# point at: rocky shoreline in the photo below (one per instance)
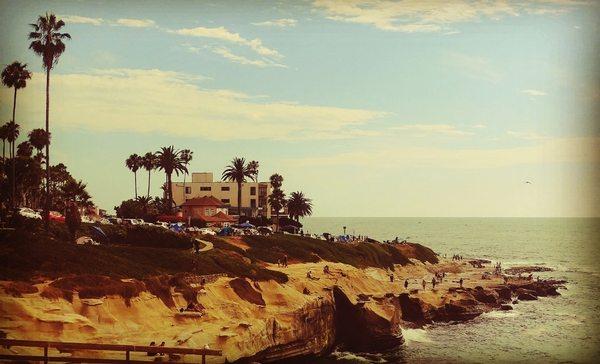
(359, 308)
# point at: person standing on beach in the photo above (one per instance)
(424, 284)
(406, 284)
(461, 283)
(285, 260)
(433, 282)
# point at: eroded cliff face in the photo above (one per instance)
(267, 321)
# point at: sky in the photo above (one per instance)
(370, 107)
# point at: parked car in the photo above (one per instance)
(115, 220)
(27, 212)
(86, 219)
(56, 216)
(131, 222)
(162, 224)
(206, 231)
(104, 221)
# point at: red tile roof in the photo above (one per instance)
(218, 217)
(203, 201)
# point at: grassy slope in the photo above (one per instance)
(145, 252)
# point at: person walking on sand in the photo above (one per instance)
(433, 282)
(424, 284)
(285, 260)
(406, 284)
(392, 277)
(461, 283)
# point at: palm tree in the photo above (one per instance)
(186, 157)
(39, 139)
(12, 133)
(277, 197)
(4, 136)
(299, 205)
(15, 75)
(134, 162)
(25, 149)
(47, 42)
(149, 163)
(145, 202)
(169, 160)
(237, 172)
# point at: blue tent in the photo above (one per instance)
(176, 227)
(97, 233)
(226, 231)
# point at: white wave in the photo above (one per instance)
(356, 357)
(415, 335)
(500, 314)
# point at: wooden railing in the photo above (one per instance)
(68, 346)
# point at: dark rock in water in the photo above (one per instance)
(526, 297)
(481, 295)
(504, 293)
(461, 310)
(479, 263)
(413, 309)
(362, 329)
(542, 288)
(527, 269)
(514, 302)
(506, 307)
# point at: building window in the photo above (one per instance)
(253, 191)
(225, 188)
(225, 200)
(205, 188)
(188, 190)
(253, 203)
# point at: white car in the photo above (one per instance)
(27, 212)
(86, 219)
(207, 231)
(162, 224)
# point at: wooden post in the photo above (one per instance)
(46, 354)
(203, 359)
(127, 355)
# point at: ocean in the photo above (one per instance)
(550, 330)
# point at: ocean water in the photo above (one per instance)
(550, 330)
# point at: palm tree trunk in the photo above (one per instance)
(277, 215)
(148, 184)
(14, 177)
(3, 149)
(170, 192)
(48, 198)
(239, 202)
(135, 182)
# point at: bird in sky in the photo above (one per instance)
(528, 182)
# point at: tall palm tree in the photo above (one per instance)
(149, 163)
(47, 42)
(299, 205)
(134, 162)
(237, 172)
(277, 197)
(39, 138)
(169, 160)
(186, 157)
(4, 136)
(15, 75)
(12, 133)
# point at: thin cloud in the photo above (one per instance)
(173, 103)
(136, 23)
(422, 130)
(534, 93)
(125, 22)
(281, 23)
(412, 16)
(226, 53)
(474, 66)
(77, 19)
(526, 135)
(223, 34)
